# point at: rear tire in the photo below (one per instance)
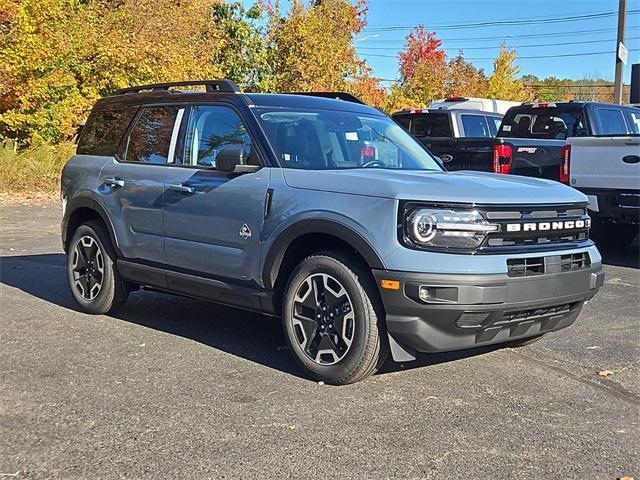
(332, 319)
(91, 270)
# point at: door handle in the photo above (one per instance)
(631, 159)
(114, 182)
(182, 188)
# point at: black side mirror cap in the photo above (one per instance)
(233, 160)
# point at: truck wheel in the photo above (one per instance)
(332, 320)
(94, 280)
(613, 235)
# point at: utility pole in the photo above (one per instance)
(620, 51)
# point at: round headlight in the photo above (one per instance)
(424, 226)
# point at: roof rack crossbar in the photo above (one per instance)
(347, 97)
(210, 85)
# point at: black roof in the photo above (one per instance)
(226, 91)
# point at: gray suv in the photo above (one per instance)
(323, 211)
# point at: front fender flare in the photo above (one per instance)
(276, 253)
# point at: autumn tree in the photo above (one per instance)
(58, 56)
(423, 69)
(463, 79)
(312, 46)
(242, 53)
(502, 83)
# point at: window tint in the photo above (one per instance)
(611, 121)
(431, 125)
(475, 126)
(103, 131)
(150, 137)
(551, 122)
(633, 120)
(210, 129)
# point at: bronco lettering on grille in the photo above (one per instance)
(541, 226)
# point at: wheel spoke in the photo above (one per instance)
(87, 267)
(323, 319)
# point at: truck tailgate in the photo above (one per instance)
(534, 157)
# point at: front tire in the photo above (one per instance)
(332, 319)
(93, 278)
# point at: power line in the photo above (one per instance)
(504, 37)
(519, 46)
(520, 57)
(493, 23)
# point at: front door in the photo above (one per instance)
(132, 187)
(213, 220)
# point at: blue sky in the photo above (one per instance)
(390, 20)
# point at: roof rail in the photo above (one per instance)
(211, 86)
(347, 97)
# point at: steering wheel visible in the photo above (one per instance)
(373, 163)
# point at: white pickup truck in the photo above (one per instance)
(607, 170)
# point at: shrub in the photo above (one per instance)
(34, 169)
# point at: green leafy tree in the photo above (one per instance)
(502, 83)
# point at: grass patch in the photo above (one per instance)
(35, 169)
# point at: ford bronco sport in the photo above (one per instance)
(322, 211)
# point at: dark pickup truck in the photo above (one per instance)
(530, 140)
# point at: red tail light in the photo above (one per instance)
(502, 158)
(565, 165)
(367, 153)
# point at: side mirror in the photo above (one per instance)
(233, 160)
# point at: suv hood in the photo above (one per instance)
(454, 187)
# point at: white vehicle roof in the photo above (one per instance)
(470, 103)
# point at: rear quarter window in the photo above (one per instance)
(103, 132)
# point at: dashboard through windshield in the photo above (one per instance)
(328, 139)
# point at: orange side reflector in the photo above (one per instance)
(390, 284)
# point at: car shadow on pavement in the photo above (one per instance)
(247, 335)
(628, 257)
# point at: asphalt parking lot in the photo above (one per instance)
(178, 388)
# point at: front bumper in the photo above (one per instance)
(465, 311)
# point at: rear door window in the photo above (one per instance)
(475, 125)
(150, 137)
(611, 121)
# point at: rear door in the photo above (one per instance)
(213, 220)
(132, 185)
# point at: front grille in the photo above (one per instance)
(536, 228)
(525, 267)
(574, 261)
(535, 313)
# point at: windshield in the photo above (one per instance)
(551, 123)
(327, 139)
